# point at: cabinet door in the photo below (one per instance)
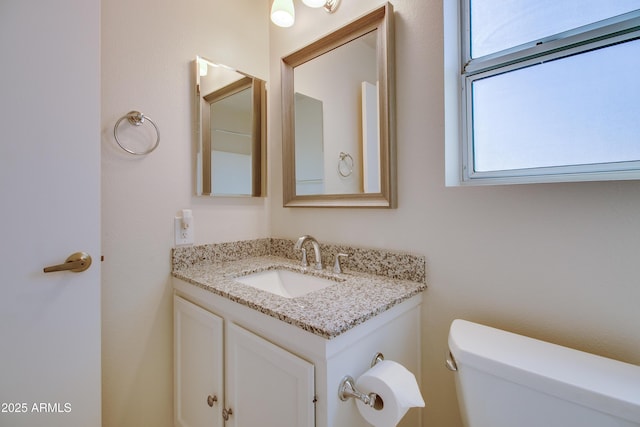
(198, 366)
(266, 385)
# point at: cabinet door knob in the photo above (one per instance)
(226, 413)
(211, 400)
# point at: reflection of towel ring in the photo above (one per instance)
(136, 118)
(345, 164)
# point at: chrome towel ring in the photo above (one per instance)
(345, 164)
(136, 118)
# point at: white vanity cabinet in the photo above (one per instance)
(266, 385)
(262, 385)
(198, 365)
(277, 374)
(228, 376)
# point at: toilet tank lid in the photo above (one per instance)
(605, 384)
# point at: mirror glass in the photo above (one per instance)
(230, 116)
(330, 143)
(337, 123)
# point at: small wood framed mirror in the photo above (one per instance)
(231, 132)
(338, 117)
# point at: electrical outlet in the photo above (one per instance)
(183, 236)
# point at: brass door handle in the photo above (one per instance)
(76, 262)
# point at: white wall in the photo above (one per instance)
(555, 261)
(147, 50)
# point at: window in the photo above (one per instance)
(550, 90)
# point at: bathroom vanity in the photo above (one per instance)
(245, 356)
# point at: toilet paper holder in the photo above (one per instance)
(347, 389)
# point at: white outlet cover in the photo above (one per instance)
(183, 236)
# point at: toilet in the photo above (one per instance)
(508, 380)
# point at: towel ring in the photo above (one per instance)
(345, 164)
(136, 118)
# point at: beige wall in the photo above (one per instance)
(147, 49)
(555, 261)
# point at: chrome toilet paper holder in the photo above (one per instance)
(347, 389)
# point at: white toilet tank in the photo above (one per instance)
(508, 380)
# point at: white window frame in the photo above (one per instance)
(612, 31)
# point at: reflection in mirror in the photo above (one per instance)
(309, 145)
(344, 115)
(338, 126)
(230, 116)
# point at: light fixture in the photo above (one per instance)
(283, 13)
(314, 3)
(330, 6)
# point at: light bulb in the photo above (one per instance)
(282, 13)
(314, 3)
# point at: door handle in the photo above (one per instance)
(76, 262)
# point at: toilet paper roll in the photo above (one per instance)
(396, 386)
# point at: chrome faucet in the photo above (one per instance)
(316, 250)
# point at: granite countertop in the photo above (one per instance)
(355, 298)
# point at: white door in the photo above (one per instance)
(266, 385)
(50, 195)
(199, 366)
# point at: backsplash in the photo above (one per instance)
(187, 256)
(393, 264)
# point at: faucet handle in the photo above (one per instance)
(337, 268)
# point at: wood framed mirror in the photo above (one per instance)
(231, 132)
(338, 117)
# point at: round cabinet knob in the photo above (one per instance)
(226, 413)
(211, 400)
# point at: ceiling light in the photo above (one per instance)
(314, 3)
(283, 13)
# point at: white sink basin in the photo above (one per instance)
(285, 283)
